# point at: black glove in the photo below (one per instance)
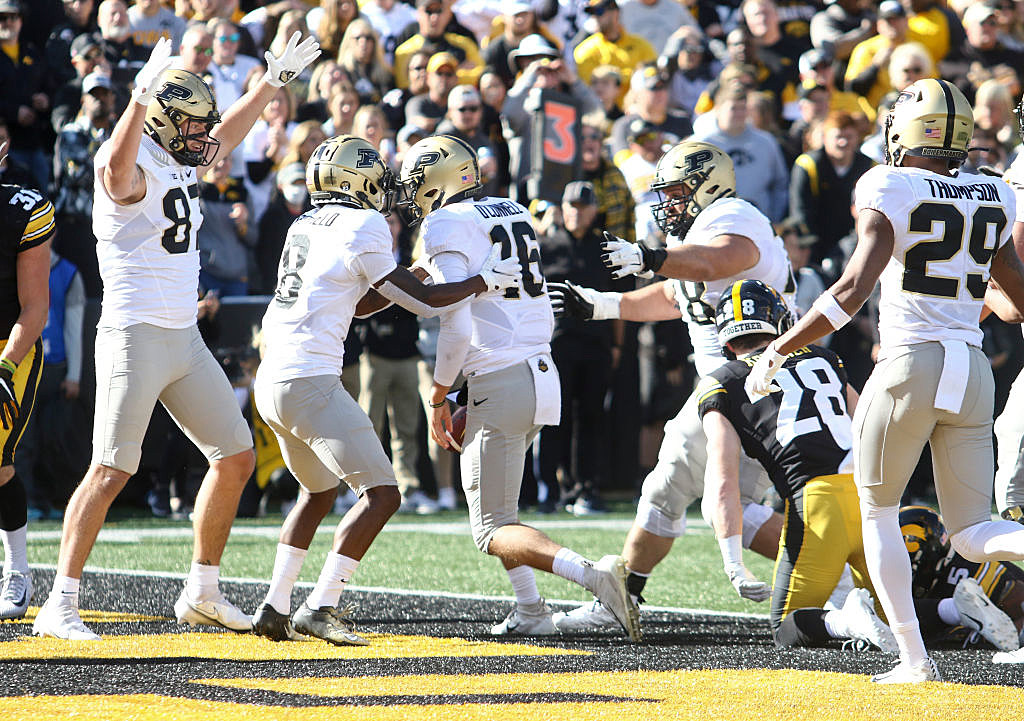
(567, 302)
(9, 409)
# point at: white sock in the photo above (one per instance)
(15, 550)
(336, 573)
(948, 612)
(990, 541)
(836, 625)
(203, 581)
(287, 565)
(65, 590)
(524, 584)
(569, 565)
(889, 567)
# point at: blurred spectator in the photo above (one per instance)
(522, 102)
(150, 21)
(11, 171)
(389, 18)
(775, 48)
(86, 56)
(228, 68)
(615, 204)
(985, 151)
(362, 59)
(329, 22)
(74, 178)
(611, 45)
(265, 146)
(994, 112)
(59, 387)
(934, 26)
(341, 110)
(982, 49)
(303, 141)
(909, 63)
(691, 67)
(519, 21)
(24, 99)
(576, 450)
(328, 76)
(655, 20)
(874, 145)
(196, 50)
(292, 21)
(799, 240)
(812, 109)
(432, 19)
(464, 120)
(408, 136)
(764, 116)
(823, 181)
(640, 159)
(125, 57)
(370, 124)
(395, 100)
(289, 200)
(427, 109)
(532, 47)
(492, 91)
(744, 59)
(816, 67)
(840, 27)
(260, 23)
(77, 20)
(649, 101)
(867, 73)
(761, 175)
(226, 236)
(606, 82)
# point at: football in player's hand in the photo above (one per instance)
(458, 432)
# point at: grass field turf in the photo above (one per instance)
(431, 656)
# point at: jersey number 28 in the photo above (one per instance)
(815, 376)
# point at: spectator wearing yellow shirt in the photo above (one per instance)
(868, 71)
(611, 45)
(432, 17)
(935, 27)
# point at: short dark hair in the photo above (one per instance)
(747, 343)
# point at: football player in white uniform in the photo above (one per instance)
(933, 238)
(501, 343)
(714, 239)
(331, 258)
(148, 347)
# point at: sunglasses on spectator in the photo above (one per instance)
(200, 50)
(598, 11)
(434, 10)
(469, 109)
(233, 38)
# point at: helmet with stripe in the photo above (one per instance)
(347, 169)
(927, 543)
(750, 307)
(437, 170)
(930, 119)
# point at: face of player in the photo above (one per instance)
(197, 132)
(677, 207)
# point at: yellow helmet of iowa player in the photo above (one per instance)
(180, 117)
(690, 177)
(348, 169)
(437, 170)
(927, 543)
(930, 119)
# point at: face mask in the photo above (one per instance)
(295, 194)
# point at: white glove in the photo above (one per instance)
(147, 80)
(623, 258)
(293, 60)
(501, 274)
(759, 380)
(746, 585)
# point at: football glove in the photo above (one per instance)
(147, 80)
(501, 274)
(623, 258)
(746, 585)
(759, 380)
(576, 301)
(294, 59)
(9, 409)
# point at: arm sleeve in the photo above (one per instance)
(74, 319)
(711, 396)
(457, 326)
(374, 265)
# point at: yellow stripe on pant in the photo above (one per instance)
(26, 381)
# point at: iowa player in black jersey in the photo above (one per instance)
(26, 227)
(801, 435)
(957, 600)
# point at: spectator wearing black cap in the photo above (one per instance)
(611, 45)
(86, 57)
(432, 19)
(649, 101)
(24, 95)
(73, 179)
(78, 19)
(585, 352)
(690, 65)
(817, 67)
(639, 161)
(812, 109)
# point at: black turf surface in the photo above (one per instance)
(671, 641)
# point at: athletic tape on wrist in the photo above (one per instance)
(828, 306)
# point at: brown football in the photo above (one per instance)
(458, 432)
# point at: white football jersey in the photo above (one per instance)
(947, 229)
(147, 251)
(509, 327)
(331, 257)
(698, 299)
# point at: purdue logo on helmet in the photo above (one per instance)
(750, 307)
(437, 170)
(181, 98)
(927, 543)
(930, 119)
(347, 169)
(690, 177)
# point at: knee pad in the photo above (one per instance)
(755, 515)
(656, 522)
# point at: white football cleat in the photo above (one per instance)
(531, 620)
(216, 611)
(862, 623)
(590, 617)
(1009, 656)
(606, 579)
(905, 673)
(15, 593)
(61, 620)
(978, 613)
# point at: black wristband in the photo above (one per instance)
(654, 258)
(437, 405)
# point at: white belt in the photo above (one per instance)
(956, 367)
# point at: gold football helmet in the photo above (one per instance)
(930, 119)
(702, 172)
(437, 170)
(348, 169)
(183, 96)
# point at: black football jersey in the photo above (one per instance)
(996, 578)
(26, 220)
(797, 434)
